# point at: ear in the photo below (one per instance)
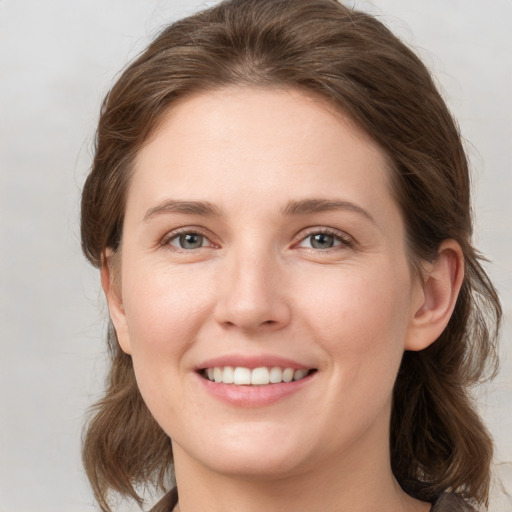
(111, 284)
(437, 294)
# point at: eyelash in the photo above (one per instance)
(190, 230)
(344, 240)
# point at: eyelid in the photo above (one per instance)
(171, 235)
(345, 239)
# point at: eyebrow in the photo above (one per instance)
(307, 206)
(203, 208)
(293, 207)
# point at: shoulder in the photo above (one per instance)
(449, 502)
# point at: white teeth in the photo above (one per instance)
(260, 376)
(256, 377)
(242, 376)
(299, 374)
(276, 375)
(228, 375)
(217, 374)
(288, 375)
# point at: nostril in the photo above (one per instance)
(251, 313)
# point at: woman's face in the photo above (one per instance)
(262, 241)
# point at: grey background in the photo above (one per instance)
(57, 60)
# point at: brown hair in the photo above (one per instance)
(438, 442)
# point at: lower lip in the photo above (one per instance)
(254, 396)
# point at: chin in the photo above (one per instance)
(260, 452)
(257, 466)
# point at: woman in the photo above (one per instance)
(279, 206)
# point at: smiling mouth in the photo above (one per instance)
(262, 376)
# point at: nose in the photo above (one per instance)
(252, 294)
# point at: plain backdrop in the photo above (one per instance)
(57, 60)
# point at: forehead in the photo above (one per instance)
(242, 145)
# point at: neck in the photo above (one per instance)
(358, 480)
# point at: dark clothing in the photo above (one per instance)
(445, 503)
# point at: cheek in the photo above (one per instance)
(361, 302)
(164, 311)
(363, 319)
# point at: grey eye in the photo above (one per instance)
(189, 241)
(322, 241)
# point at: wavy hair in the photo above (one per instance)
(438, 442)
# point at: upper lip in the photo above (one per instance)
(251, 362)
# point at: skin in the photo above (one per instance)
(257, 287)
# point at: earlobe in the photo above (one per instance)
(440, 288)
(111, 284)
